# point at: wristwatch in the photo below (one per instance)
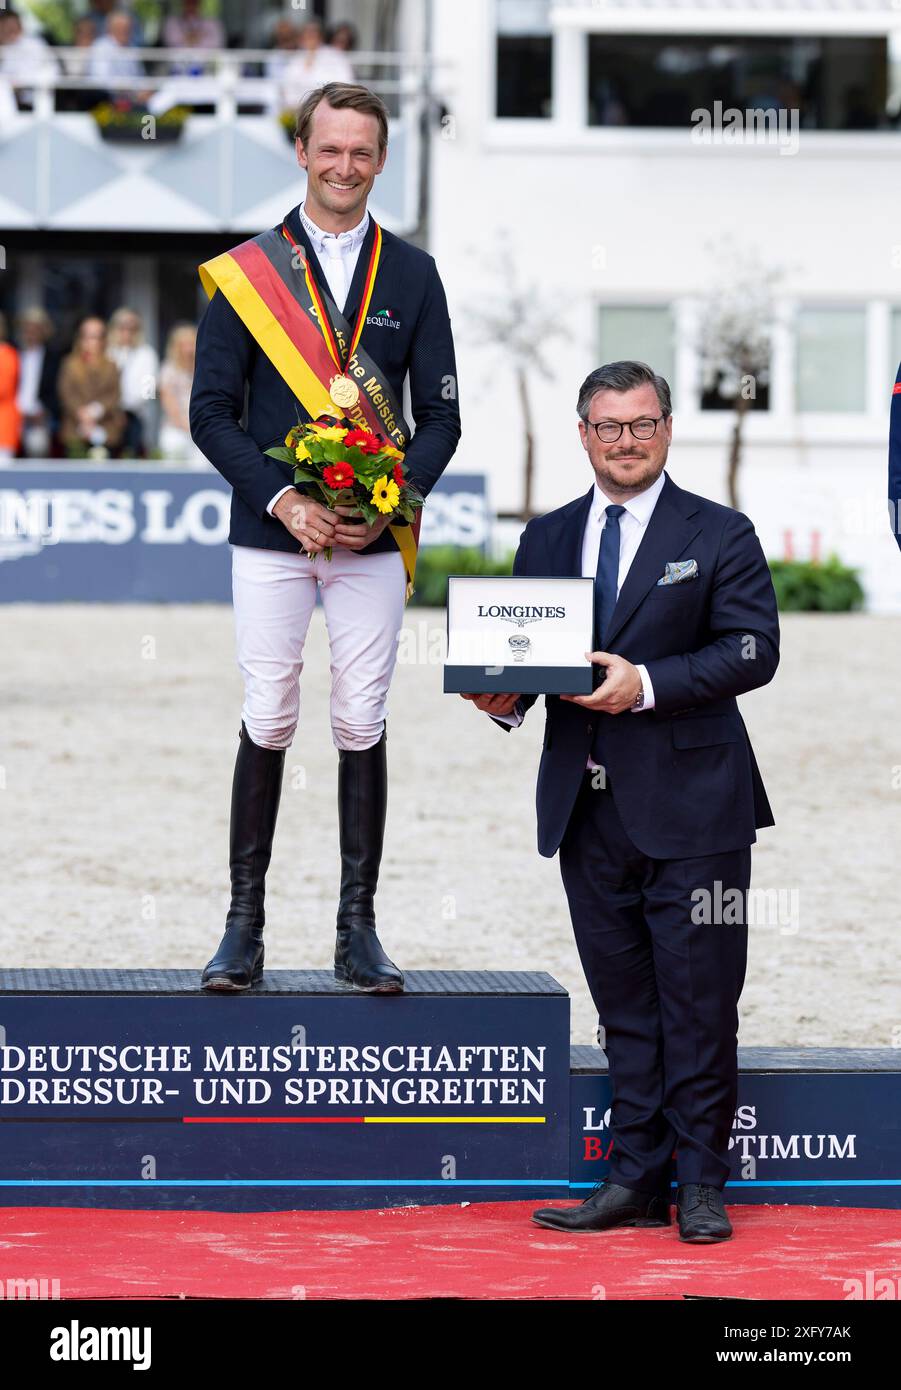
(638, 702)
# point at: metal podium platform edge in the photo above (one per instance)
(585, 1060)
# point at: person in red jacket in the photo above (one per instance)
(10, 415)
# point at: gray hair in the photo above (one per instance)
(623, 376)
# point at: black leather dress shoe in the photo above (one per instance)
(608, 1205)
(702, 1214)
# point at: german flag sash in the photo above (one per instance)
(269, 283)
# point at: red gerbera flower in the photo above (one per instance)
(365, 442)
(338, 475)
(398, 475)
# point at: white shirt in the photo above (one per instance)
(338, 254)
(138, 371)
(31, 362)
(108, 61)
(308, 69)
(632, 526)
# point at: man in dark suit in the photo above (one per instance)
(369, 282)
(650, 790)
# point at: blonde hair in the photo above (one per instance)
(124, 312)
(177, 331)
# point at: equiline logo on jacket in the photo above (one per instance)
(383, 318)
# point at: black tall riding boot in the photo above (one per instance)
(256, 788)
(362, 803)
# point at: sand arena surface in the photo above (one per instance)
(119, 732)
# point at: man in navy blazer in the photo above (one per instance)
(240, 406)
(650, 790)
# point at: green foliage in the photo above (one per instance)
(435, 563)
(806, 586)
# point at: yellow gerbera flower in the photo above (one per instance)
(385, 494)
(330, 431)
(392, 453)
(301, 452)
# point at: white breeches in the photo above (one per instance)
(274, 596)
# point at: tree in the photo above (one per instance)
(734, 342)
(516, 324)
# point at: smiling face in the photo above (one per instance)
(341, 158)
(627, 466)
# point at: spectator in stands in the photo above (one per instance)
(10, 415)
(138, 365)
(176, 378)
(312, 66)
(284, 43)
(92, 418)
(39, 365)
(24, 57)
(99, 12)
(79, 65)
(192, 30)
(342, 36)
(108, 62)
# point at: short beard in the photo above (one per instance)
(640, 483)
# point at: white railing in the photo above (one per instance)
(222, 81)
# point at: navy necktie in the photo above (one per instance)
(607, 574)
(605, 581)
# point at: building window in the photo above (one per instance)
(523, 58)
(832, 360)
(638, 333)
(659, 80)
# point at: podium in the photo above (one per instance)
(136, 1089)
(813, 1126)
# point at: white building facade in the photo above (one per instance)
(572, 148)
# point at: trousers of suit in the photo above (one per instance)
(274, 593)
(666, 984)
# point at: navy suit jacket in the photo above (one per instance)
(683, 775)
(230, 369)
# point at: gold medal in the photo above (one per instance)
(343, 391)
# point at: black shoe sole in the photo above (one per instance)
(221, 984)
(390, 986)
(705, 1240)
(642, 1221)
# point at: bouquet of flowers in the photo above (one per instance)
(341, 465)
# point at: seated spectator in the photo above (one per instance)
(343, 37)
(24, 58)
(192, 30)
(107, 62)
(39, 365)
(78, 65)
(92, 419)
(284, 43)
(176, 378)
(138, 365)
(99, 11)
(10, 415)
(314, 64)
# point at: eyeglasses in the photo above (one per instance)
(609, 431)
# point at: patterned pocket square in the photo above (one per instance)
(678, 571)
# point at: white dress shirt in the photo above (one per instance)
(632, 526)
(338, 253)
(31, 363)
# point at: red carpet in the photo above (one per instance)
(482, 1251)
